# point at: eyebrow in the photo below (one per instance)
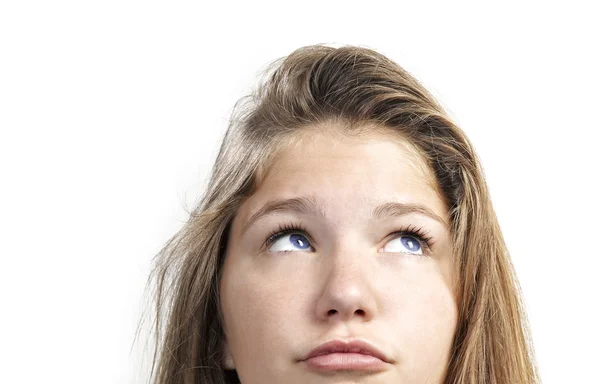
(309, 205)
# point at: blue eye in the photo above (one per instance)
(287, 242)
(292, 237)
(407, 244)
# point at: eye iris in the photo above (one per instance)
(299, 241)
(410, 243)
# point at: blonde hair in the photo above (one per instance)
(357, 88)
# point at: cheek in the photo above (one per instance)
(255, 301)
(260, 313)
(425, 313)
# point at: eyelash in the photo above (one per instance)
(417, 232)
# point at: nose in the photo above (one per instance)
(347, 293)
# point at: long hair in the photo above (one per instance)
(355, 87)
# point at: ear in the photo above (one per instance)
(227, 361)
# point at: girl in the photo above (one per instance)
(346, 236)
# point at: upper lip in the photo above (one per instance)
(352, 346)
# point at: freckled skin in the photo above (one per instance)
(354, 281)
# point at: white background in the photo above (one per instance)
(111, 114)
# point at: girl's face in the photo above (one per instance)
(365, 254)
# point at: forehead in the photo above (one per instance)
(348, 173)
(329, 149)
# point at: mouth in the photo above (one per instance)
(355, 355)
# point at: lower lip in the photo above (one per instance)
(346, 361)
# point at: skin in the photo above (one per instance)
(356, 280)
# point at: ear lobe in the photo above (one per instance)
(227, 361)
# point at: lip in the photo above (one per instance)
(347, 355)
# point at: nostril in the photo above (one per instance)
(332, 312)
(360, 312)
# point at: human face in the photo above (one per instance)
(345, 275)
